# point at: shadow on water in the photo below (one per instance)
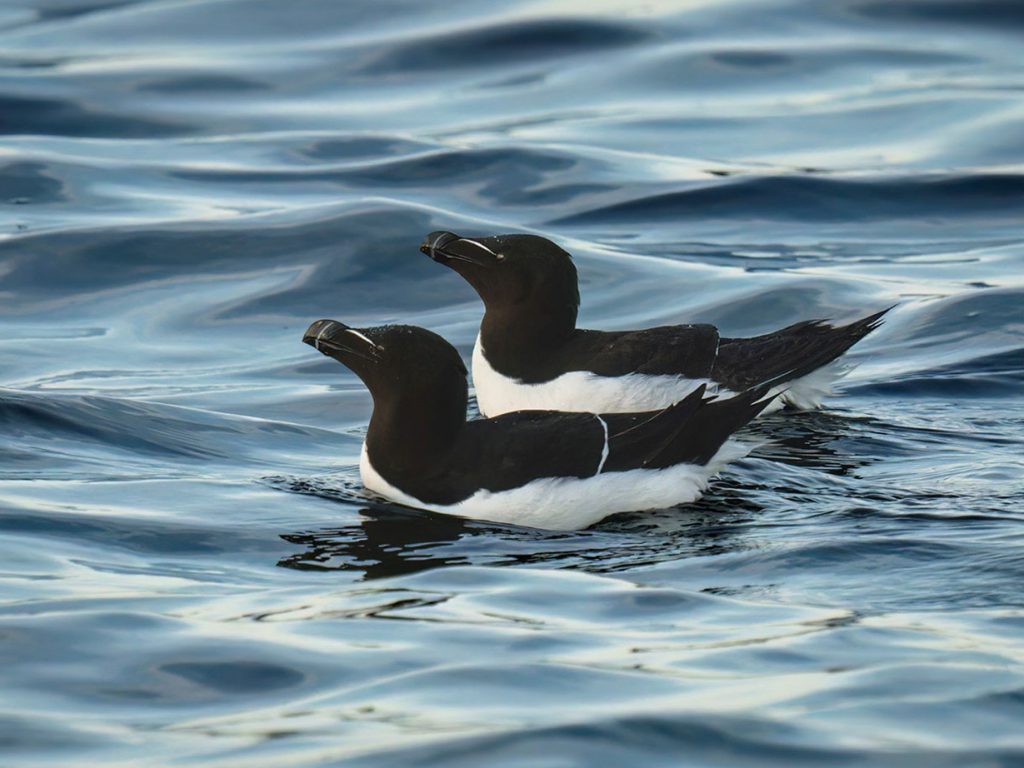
(383, 543)
(831, 442)
(387, 540)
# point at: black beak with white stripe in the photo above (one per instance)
(522, 279)
(349, 346)
(449, 248)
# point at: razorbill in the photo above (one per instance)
(530, 354)
(544, 469)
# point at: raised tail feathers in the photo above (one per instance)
(790, 353)
(690, 432)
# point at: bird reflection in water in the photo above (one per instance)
(831, 442)
(383, 542)
(392, 541)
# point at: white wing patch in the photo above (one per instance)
(569, 503)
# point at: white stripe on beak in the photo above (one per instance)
(478, 245)
(357, 334)
(316, 341)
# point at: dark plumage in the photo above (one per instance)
(528, 336)
(789, 353)
(420, 443)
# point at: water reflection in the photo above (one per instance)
(831, 442)
(383, 542)
(386, 541)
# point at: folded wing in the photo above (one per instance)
(789, 353)
(689, 432)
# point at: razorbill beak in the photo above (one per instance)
(447, 247)
(344, 344)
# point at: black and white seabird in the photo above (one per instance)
(544, 469)
(530, 354)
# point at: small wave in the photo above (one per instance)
(526, 42)
(361, 147)
(65, 117)
(200, 84)
(988, 13)
(510, 165)
(641, 740)
(141, 429)
(996, 375)
(28, 182)
(803, 198)
(512, 176)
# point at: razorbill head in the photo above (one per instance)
(516, 276)
(530, 354)
(544, 469)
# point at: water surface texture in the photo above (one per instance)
(189, 572)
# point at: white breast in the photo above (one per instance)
(578, 391)
(570, 503)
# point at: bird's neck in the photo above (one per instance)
(414, 433)
(514, 340)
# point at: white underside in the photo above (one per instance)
(635, 392)
(562, 503)
(808, 392)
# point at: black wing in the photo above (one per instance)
(690, 432)
(511, 450)
(681, 350)
(789, 353)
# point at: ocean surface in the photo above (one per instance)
(190, 573)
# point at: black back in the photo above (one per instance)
(678, 350)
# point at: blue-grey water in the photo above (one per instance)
(189, 572)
